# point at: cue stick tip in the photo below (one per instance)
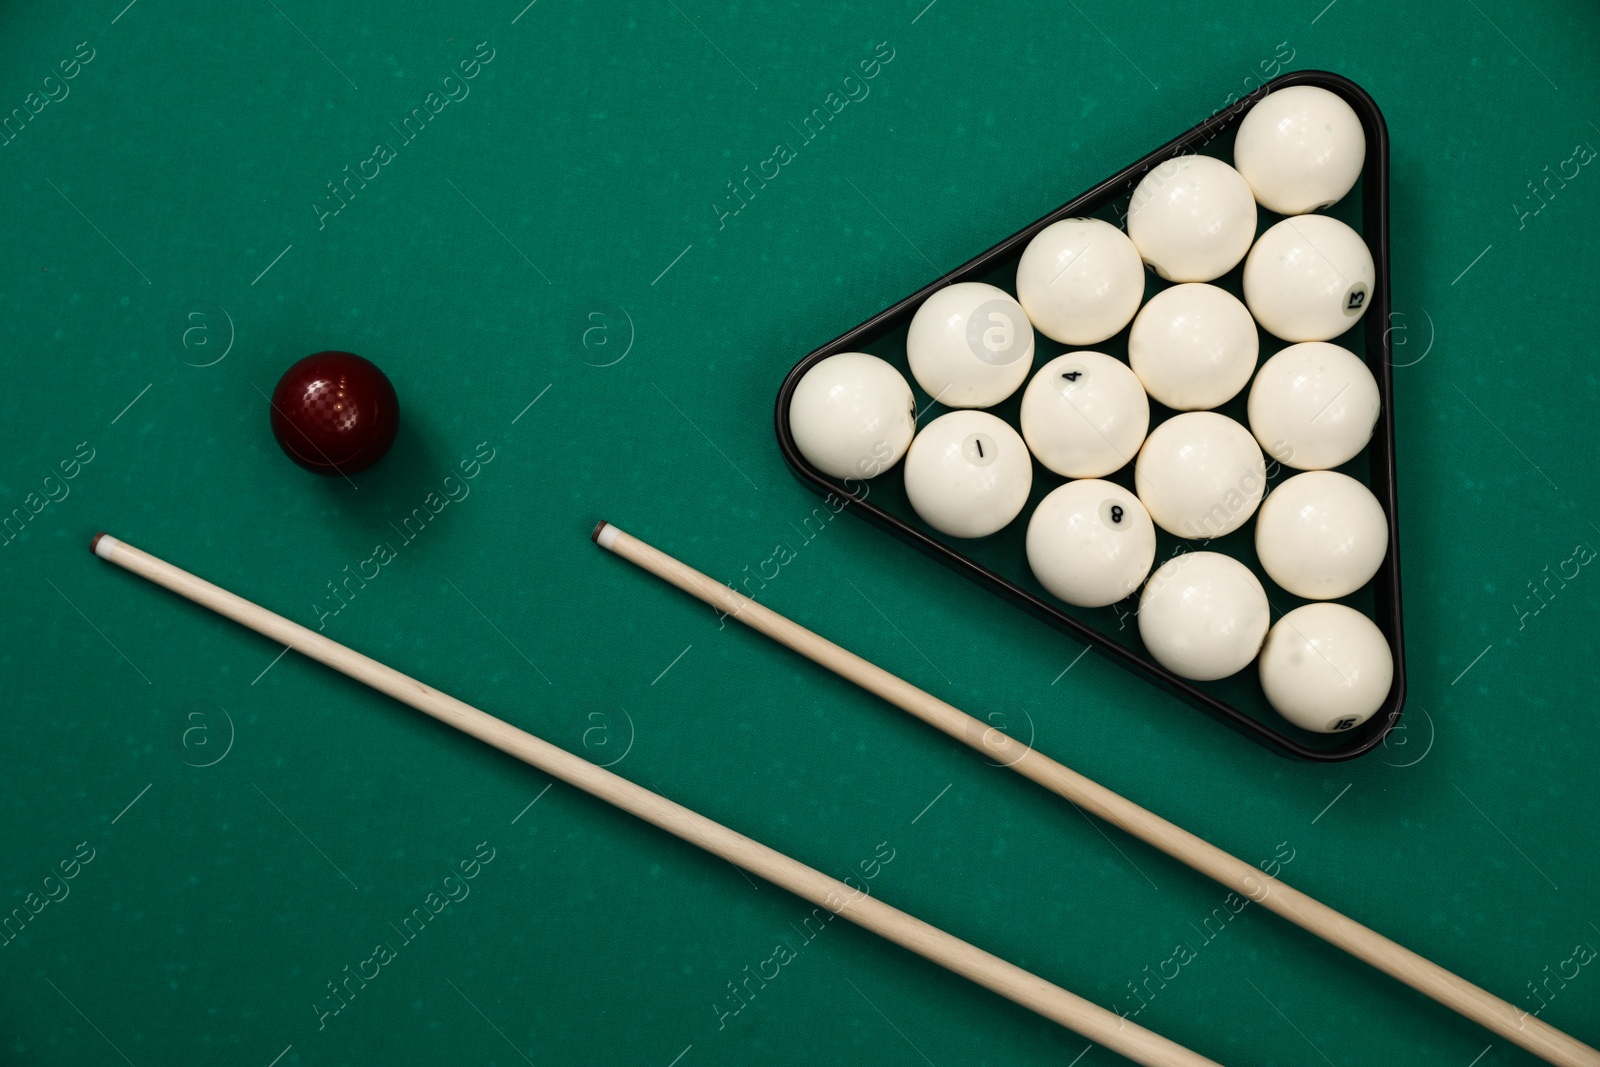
(102, 544)
(605, 534)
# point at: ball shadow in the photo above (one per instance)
(386, 494)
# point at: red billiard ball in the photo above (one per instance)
(335, 413)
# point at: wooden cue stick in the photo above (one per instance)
(1071, 1011)
(1426, 977)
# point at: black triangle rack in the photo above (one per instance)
(999, 564)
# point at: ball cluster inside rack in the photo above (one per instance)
(1193, 347)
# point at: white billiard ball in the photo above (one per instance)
(968, 474)
(1091, 543)
(1309, 278)
(852, 415)
(1321, 535)
(1192, 218)
(1193, 346)
(1326, 668)
(1300, 148)
(1085, 414)
(970, 345)
(1080, 281)
(1203, 615)
(1200, 475)
(1313, 406)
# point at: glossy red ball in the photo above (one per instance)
(335, 413)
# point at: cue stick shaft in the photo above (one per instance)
(1071, 1011)
(1451, 990)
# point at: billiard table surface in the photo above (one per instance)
(536, 219)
